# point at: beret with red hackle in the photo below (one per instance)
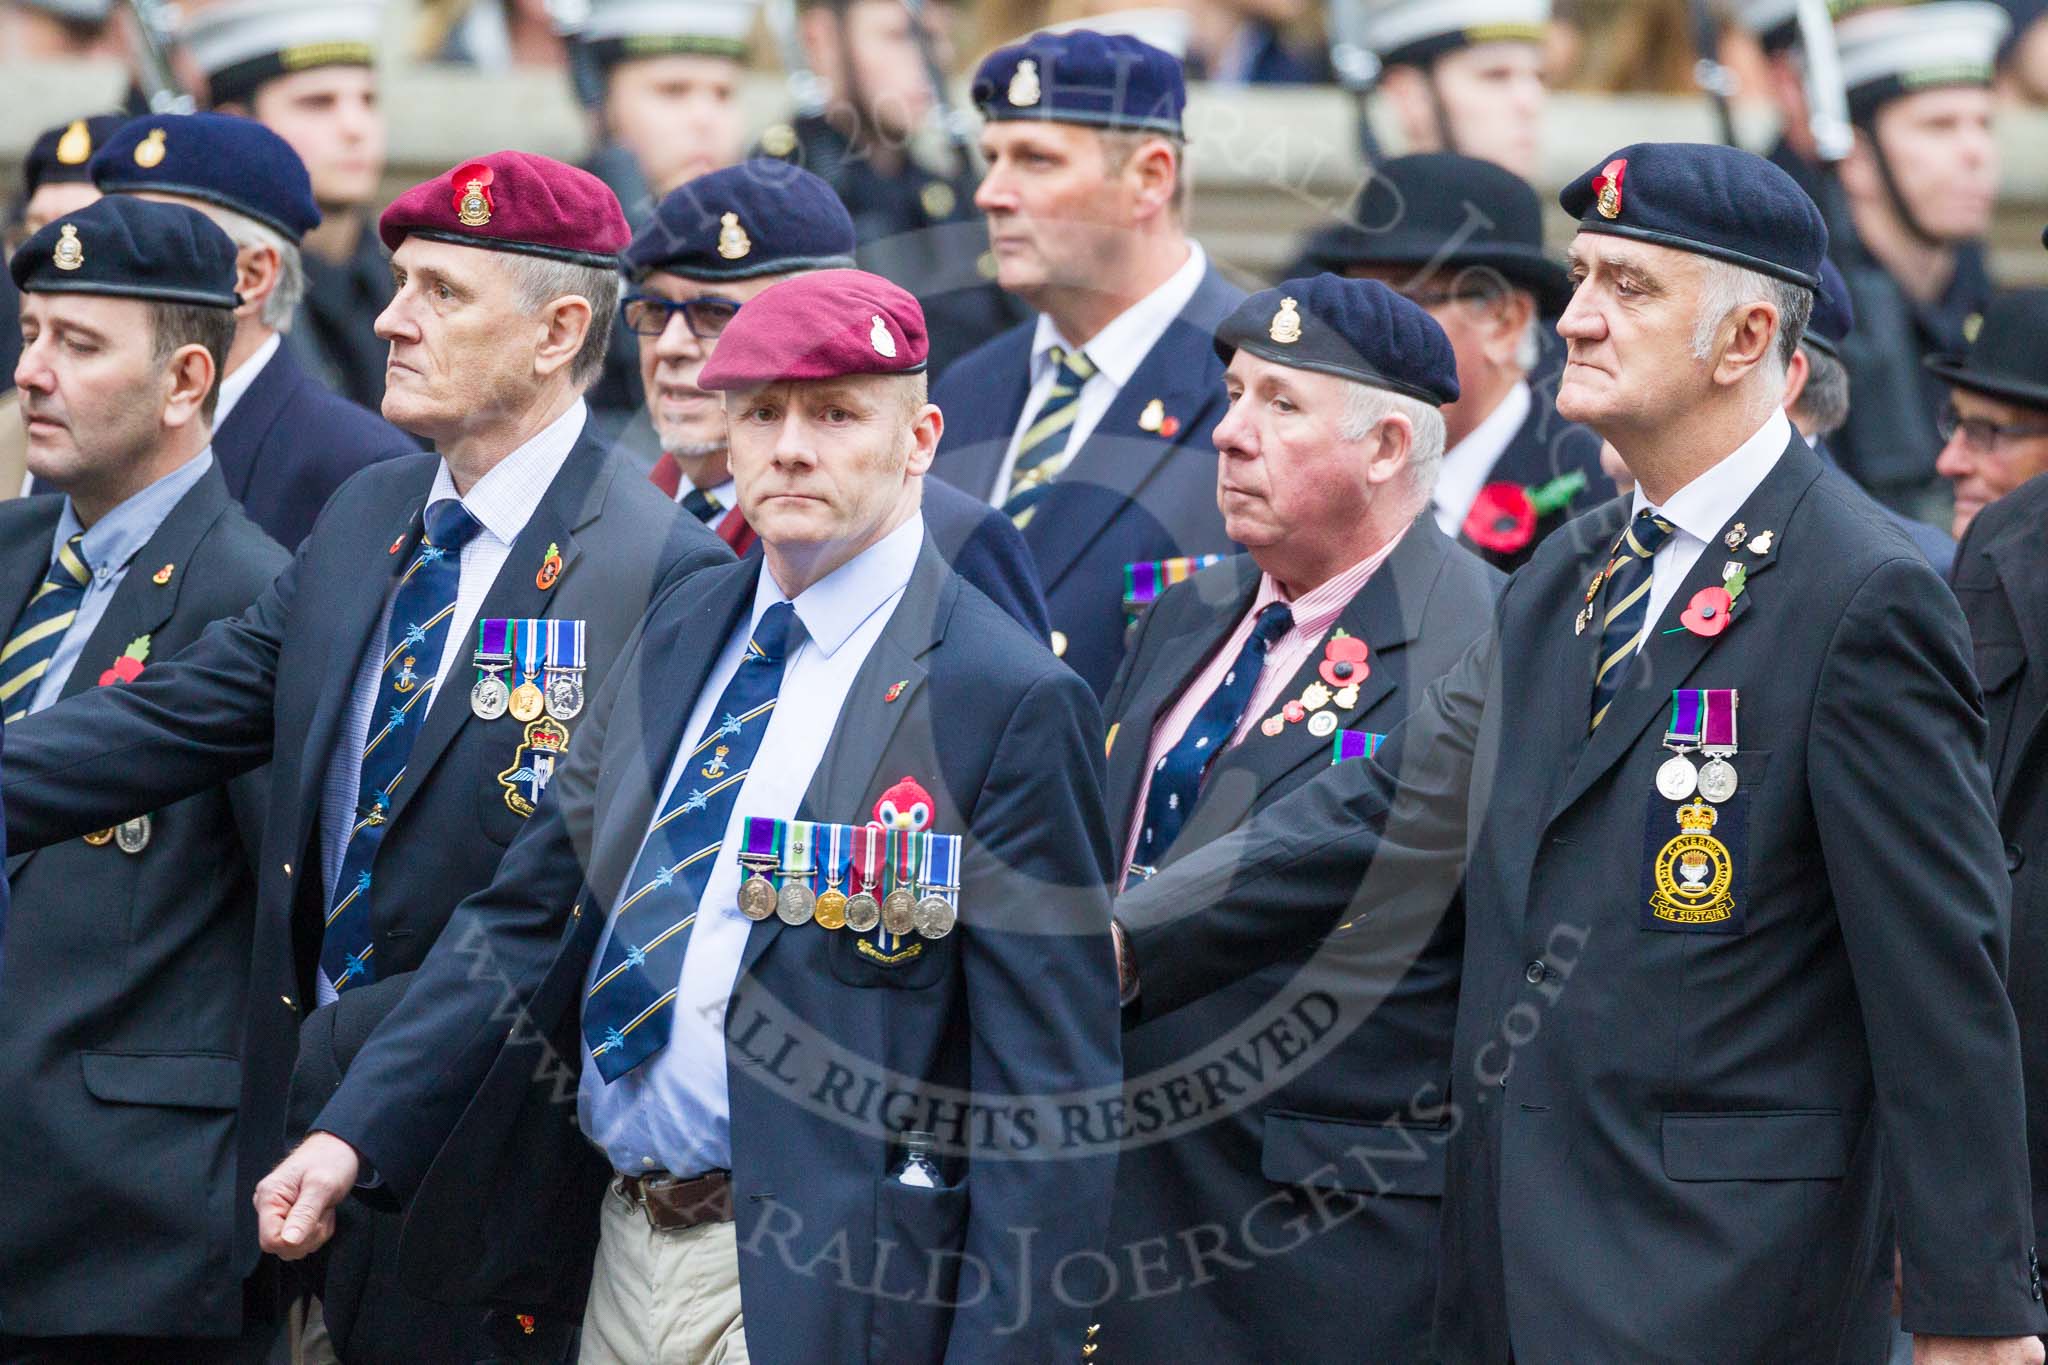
(514, 201)
(828, 324)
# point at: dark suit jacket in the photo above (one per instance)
(1546, 447)
(123, 989)
(1200, 1164)
(290, 442)
(271, 686)
(1128, 495)
(1019, 1002)
(1663, 1141)
(2001, 578)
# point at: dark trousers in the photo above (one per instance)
(253, 1347)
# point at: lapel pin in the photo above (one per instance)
(550, 568)
(128, 667)
(1153, 417)
(1735, 535)
(1762, 544)
(163, 575)
(895, 690)
(396, 545)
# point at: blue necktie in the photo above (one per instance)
(40, 629)
(1625, 610)
(629, 1012)
(702, 505)
(420, 613)
(1177, 780)
(1042, 453)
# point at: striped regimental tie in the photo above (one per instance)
(40, 629)
(1625, 607)
(1043, 452)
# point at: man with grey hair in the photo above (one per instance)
(1735, 901)
(1240, 683)
(414, 679)
(284, 442)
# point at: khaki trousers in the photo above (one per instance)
(663, 1298)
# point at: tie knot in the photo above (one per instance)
(450, 525)
(1646, 533)
(1275, 620)
(776, 634)
(1074, 365)
(70, 567)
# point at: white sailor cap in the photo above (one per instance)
(240, 44)
(72, 11)
(1897, 51)
(622, 29)
(1420, 31)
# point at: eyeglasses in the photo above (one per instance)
(705, 316)
(1980, 434)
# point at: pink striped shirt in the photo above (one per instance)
(1315, 612)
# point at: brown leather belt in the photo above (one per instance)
(672, 1205)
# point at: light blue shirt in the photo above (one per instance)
(113, 541)
(672, 1112)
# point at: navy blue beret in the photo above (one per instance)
(236, 163)
(761, 217)
(1708, 199)
(1356, 329)
(1834, 316)
(135, 248)
(1100, 80)
(61, 155)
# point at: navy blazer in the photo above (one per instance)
(1128, 495)
(1287, 1147)
(290, 442)
(1016, 1007)
(123, 989)
(1543, 448)
(271, 686)
(1715, 1109)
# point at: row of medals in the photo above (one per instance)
(901, 912)
(492, 697)
(1715, 779)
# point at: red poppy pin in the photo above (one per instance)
(1343, 662)
(895, 691)
(163, 575)
(396, 545)
(1709, 612)
(128, 667)
(550, 568)
(1504, 515)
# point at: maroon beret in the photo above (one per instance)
(514, 201)
(823, 325)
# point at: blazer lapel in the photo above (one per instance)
(25, 561)
(571, 503)
(848, 772)
(978, 437)
(1671, 653)
(2018, 563)
(237, 440)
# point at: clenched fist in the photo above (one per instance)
(295, 1203)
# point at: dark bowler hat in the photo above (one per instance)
(761, 217)
(62, 154)
(236, 163)
(514, 201)
(2009, 358)
(1448, 211)
(829, 324)
(132, 248)
(1834, 315)
(1355, 329)
(1100, 80)
(1708, 199)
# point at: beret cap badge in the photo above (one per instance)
(473, 204)
(1286, 328)
(150, 151)
(733, 242)
(879, 338)
(75, 147)
(1609, 188)
(68, 254)
(1024, 87)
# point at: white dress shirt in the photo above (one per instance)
(1698, 511)
(1116, 352)
(672, 1112)
(503, 501)
(233, 386)
(1468, 463)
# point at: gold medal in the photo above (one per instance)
(899, 912)
(527, 702)
(830, 911)
(100, 838)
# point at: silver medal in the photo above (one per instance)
(1677, 779)
(757, 897)
(565, 695)
(797, 903)
(863, 912)
(1717, 780)
(490, 697)
(935, 917)
(132, 836)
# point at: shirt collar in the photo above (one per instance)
(1118, 349)
(838, 604)
(503, 500)
(1316, 610)
(118, 536)
(1491, 436)
(233, 386)
(1703, 507)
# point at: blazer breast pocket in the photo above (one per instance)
(884, 961)
(515, 761)
(1696, 855)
